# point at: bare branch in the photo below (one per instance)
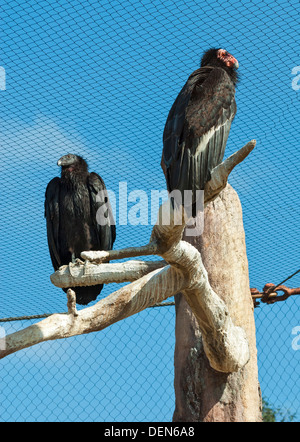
(129, 252)
(71, 304)
(153, 288)
(80, 274)
(189, 276)
(220, 174)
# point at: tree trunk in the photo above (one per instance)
(202, 393)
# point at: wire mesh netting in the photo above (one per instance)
(98, 79)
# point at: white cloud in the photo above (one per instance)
(42, 143)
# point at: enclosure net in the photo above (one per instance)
(98, 79)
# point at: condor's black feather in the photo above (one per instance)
(198, 125)
(70, 210)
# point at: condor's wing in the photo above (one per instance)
(101, 212)
(197, 129)
(52, 218)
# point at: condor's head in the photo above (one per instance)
(72, 165)
(223, 59)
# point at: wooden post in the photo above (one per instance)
(202, 393)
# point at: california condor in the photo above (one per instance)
(198, 124)
(71, 205)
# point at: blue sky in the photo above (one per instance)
(98, 79)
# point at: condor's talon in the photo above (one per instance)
(71, 265)
(85, 265)
(74, 263)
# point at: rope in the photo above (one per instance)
(22, 318)
(162, 304)
(46, 315)
(289, 277)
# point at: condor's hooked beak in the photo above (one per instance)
(235, 63)
(227, 58)
(66, 160)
